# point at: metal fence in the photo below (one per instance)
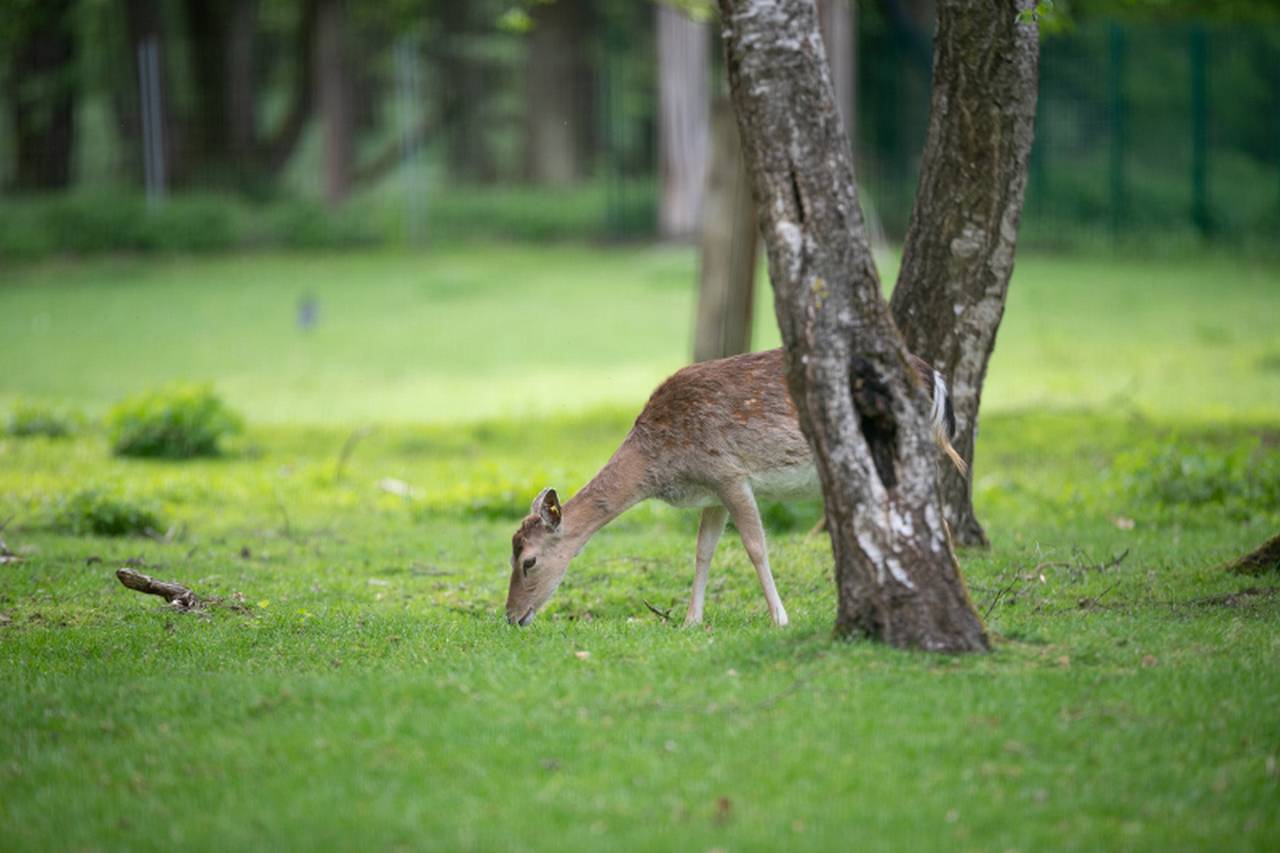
(1142, 129)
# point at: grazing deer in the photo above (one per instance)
(716, 435)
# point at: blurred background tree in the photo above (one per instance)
(332, 122)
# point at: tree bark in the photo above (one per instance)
(958, 256)
(684, 108)
(41, 92)
(730, 240)
(859, 406)
(333, 94)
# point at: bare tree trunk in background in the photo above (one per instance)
(462, 91)
(333, 94)
(730, 239)
(684, 108)
(241, 88)
(959, 248)
(557, 93)
(41, 93)
(861, 409)
(207, 27)
(145, 22)
(275, 152)
(838, 19)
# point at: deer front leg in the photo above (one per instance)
(741, 503)
(709, 530)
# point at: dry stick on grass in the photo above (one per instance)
(174, 593)
(664, 615)
(349, 447)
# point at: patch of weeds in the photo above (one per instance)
(174, 422)
(1236, 481)
(100, 513)
(779, 517)
(33, 419)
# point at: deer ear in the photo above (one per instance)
(547, 506)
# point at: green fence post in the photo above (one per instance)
(1117, 45)
(1197, 49)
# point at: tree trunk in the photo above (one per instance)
(684, 107)
(557, 97)
(241, 85)
(210, 123)
(333, 94)
(730, 239)
(463, 96)
(41, 92)
(959, 249)
(838, 19)
(145, 21)
(861, 409)
(275, 152)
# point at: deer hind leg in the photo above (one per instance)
(709, 530)
(741, 503)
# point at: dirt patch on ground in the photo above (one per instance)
(1242, 598)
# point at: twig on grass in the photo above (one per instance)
(1115, 561)
(348, 448)
(1092, 601)
(284, 511)
(664, 615)
(999, 595)
(175, 593)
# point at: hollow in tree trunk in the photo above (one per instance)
(959, 250)
(864, 415)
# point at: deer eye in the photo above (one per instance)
(528, 564)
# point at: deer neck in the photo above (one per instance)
(619, 485)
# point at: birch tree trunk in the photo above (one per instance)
(959, 250)
(684, 107)
(861, 410)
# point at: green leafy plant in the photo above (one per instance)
(34, 419)
(1235, 481)
(175, 422)
(101, 513)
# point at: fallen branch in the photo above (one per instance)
(664, 615)
(174, 593)
(1115, 561)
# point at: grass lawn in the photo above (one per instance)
(357, 686)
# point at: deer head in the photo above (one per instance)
(539, 557)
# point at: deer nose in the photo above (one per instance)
(520, 621)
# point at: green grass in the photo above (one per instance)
(506, 331)
(357, 686)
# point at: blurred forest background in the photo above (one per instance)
(209, 124)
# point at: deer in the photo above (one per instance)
(717, 435)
